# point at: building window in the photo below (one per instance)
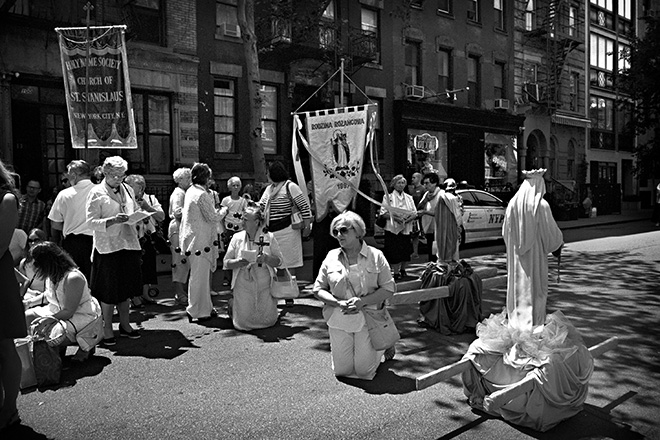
(226, 19)
(570, 160)
(625, 9)
(327, 31)
(601, 112)
(499, 82)
(601, 59)
(444, 71)
(624, 54)
(473, 11)
(269, 113)
(473, 81)
(153, 122)
(624, 130)
(369, 26)
(601, 13)
(574, 91)
(572, 21)
(224, 105)
(413, 64)
(147, 22)
(499, 14)
(530, 16)
(445, 6)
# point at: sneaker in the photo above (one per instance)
(108, 342)
(389, 353)
(133, 334)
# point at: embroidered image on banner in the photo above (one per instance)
(338, 140)
(97, 87)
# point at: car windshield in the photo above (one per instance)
(485, 199)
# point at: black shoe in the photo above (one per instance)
(389, 353)
(108, 342)
(403, 273)
(288, 303)
(133, 334)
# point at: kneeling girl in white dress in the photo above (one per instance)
(252, 256)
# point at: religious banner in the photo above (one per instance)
(337, 139)
(97, 87)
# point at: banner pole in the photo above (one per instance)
(88, 7)
(341, 85)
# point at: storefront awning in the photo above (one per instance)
(574, 121)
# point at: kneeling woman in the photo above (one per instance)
(66, 298)
(252, 269)
(352, 277)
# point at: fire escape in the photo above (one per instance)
(282, 41)
(558, 29)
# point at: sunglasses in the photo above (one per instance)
(343, 230)
(64, 180)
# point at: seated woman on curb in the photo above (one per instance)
(253, 268)
(66, 299)
(352, 277)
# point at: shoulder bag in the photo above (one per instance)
(282, 288)
(382, 331)
(296, 216)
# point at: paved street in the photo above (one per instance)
(209, 381)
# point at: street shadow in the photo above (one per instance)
(278, 332)
(386, 381)
(153, 344)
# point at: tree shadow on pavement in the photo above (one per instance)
(153, 344)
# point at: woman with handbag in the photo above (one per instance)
(353, 279)
(145, 228)
(252, 256)
(67, 297)
(287, 213)
(398, 228)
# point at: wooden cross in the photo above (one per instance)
(261, 243)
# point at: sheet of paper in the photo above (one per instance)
(138, 216)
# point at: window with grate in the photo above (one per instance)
(369, 24)
(224, 108)
(530, 16)
(574, 91)
(601, 59)
(153, 122)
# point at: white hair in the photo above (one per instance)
(114, 162)
(181, 174)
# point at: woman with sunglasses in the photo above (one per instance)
(352, 277)
(116, 261)
(253, 267)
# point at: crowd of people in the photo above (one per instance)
(90, 253)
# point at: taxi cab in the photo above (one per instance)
(483, 215)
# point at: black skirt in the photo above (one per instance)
(398, 247)
(116, 276)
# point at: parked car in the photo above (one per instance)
(483, 216)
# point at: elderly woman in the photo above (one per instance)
(148, 203)
(180, 266)
(278, 201)
(352, 277)
(198, 238)
(116, 261)
(67, 298)
(398, 243)
(253, 269)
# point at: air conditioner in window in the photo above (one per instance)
(502, 104)
(414, 91)
(230, 30)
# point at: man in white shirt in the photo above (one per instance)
(68, 216)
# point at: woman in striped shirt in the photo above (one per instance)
(278, 201)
